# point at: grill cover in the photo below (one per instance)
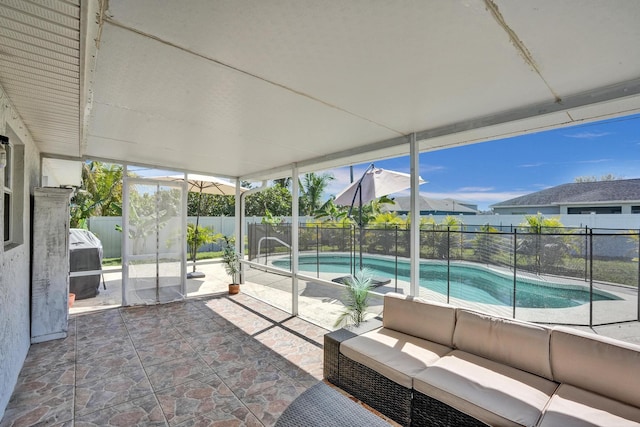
(85, 254)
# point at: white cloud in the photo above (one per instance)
(532, 165)
(431, 168)
(474, 189)
(595, 161)
(587, 135)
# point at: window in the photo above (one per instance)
(635, 209)
(7, 184)
(595, 210)
(13, 181)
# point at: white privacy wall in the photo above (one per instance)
(15, 264)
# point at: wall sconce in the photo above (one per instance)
(4, 140)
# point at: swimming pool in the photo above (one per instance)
(468, 282)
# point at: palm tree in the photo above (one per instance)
(283, 182)
(330, 212)
(371, 210)
(531, 243)
(312, 187)
(100, 193)
(385, 219)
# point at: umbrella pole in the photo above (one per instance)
(360, 225)
(194, 273)
(356, 194)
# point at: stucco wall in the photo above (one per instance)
(15, 265)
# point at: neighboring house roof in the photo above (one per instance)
(403, 204)
(580, 192)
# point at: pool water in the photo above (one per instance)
(471, 283)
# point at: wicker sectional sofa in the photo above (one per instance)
(431, 364)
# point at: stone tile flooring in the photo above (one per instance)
(218, 360)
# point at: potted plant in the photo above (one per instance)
(231, 260)
(356, 298)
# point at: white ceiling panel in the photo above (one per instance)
(217, 115)
(391, 62)
(579, 45)
(247, 88)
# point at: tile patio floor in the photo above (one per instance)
(217, 360)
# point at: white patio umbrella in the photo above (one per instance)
(202, 184)
(373, 184)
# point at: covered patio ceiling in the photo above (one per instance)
(247, 88)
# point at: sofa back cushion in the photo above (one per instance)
(601, 365)
(521, 345)
(414, 316)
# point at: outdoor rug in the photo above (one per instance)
(321, 405)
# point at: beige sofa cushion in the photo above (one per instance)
(518, 344)
(423, 319)
(602, 365)
(488, 391)
(573, 407)
(393, 354)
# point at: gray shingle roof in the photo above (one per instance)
(581, 192)
(403, 203)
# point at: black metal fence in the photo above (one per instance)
(553, 275)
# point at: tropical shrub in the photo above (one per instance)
(231, 259)
(356, 298)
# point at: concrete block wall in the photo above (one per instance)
(15, 258)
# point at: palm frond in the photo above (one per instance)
(356, 298)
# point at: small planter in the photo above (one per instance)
(72, 299)
(231, 260)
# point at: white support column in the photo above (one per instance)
(239, 229)
(125, 233)
(295, 229)
(185, 213)
(415, 217)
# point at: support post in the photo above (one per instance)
(183, 219)
(415, 217)
(125, 233)
(590, 278)
(239, 232)
(515, 269)
(396, 274)
(448, 264)
(295, 232)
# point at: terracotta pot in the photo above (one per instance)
(72, 299)
(233, 289)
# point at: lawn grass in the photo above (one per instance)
(114, 262)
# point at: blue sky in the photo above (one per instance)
(494, 171)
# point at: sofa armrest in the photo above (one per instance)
(332, 342)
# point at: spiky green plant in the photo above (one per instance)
(356, 298)
(231, 259)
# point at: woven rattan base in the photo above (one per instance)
(427, 411)
(331, 353)
(375, 390)
(332, 342)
